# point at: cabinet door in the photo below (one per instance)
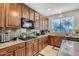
(56, 40)
(20, 52)
(36, 46)
(37, 21)
(13, 15)
(45, 24)
(40, 44)
(29, 50)
(41, 22)
(4, 53)
(45, 41)
(2, 14)
(9, 54)
(25, 11)
(32, 14)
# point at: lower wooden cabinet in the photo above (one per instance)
(45, 41)
(29, 50)
(6, 53)
(9, 54)
(40, 44)
(35, 45)
(15, 50)
(56, 40)
(20, 52)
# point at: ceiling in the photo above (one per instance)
(48, 9)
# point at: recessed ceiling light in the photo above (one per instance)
(49, 9)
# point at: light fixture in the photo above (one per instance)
(49, 9)
(60, 15)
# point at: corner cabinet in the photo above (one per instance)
(56, 40)
(13, 15)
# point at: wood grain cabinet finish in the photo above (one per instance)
(2, 14)
(32, 47)
(37, 21)
(13, 15)
(20, 52)
(36, 46)
(15, 50)
(45, 23)
(41, 22)
(29, 50)
(32, 14)
(40, 44)
(45, 41)
(25, 11)
(4, 53)
(56, 40)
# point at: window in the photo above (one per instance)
(63, 25)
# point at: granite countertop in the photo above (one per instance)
(64, 35)
(7, 44)
(17, 41)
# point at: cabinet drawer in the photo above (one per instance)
(29, 42)
(21, 45)
(3, 53)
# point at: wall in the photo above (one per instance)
(74, 13)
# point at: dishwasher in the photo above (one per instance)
(69, 47)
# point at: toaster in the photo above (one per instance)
(5, 37)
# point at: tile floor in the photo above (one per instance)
(49, 51)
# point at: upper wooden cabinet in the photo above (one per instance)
(13, 15)
(37, 16)
(32, 14)
(25, 11)
(45, 23)
(41, 22)
(2, 14)
(37, 21)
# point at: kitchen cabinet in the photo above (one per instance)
(6, 53)
(36, 47)
(37, 21)
(15, 50)
(32, 14)
(25, 11)
(32, 47)
(40, 44)
(20, 52)
(13, 15)
(29, 48)
(45, 42)
(45, 23)
(2, 14)
(56, 40)
(41, 22)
